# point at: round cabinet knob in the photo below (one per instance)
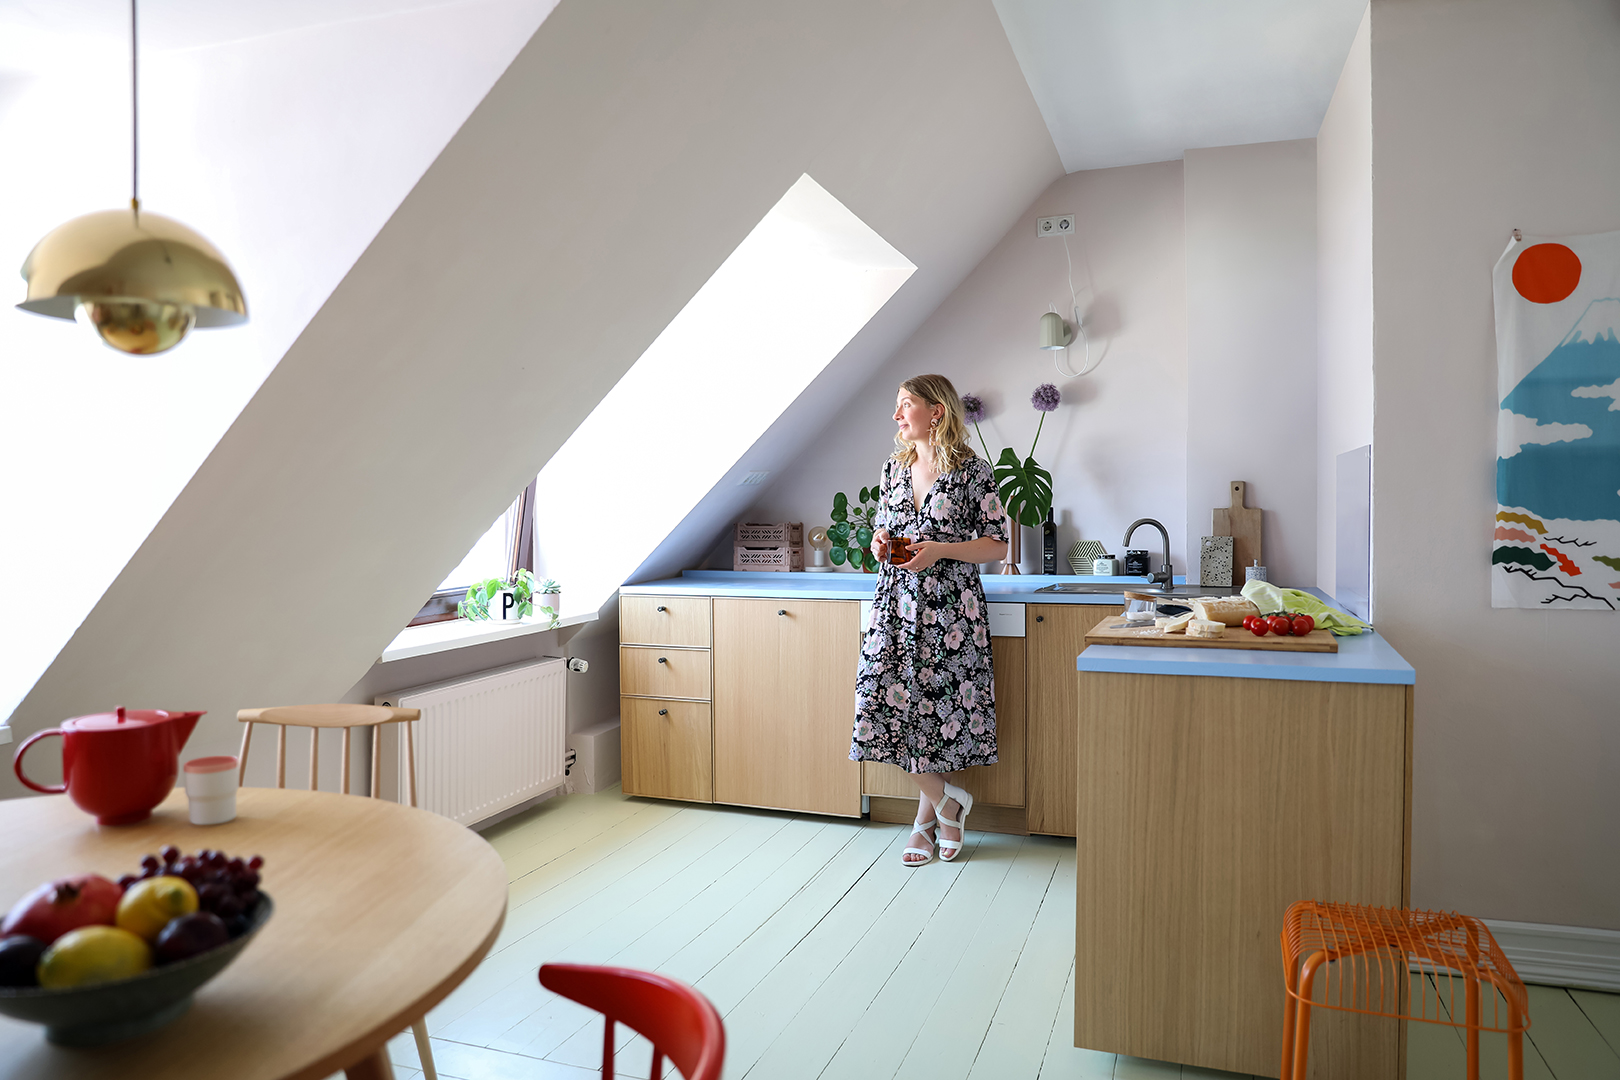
(663, 712)
(663, 659)
(661, 607)
(782, 612)
(1040, 618)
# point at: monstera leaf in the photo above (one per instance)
(1026, 488)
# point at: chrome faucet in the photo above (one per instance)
(1166, 576)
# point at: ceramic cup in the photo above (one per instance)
(211, 789)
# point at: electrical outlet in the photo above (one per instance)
(1061, 225)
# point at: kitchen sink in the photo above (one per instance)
(1100, 588)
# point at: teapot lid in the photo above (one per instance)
(123, 719)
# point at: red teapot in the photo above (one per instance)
(117, 765)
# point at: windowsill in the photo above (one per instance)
(460, 633)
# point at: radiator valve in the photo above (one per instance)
(576, 664)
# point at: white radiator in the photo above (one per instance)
(486, 742)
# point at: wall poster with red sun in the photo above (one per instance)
(1557, 530)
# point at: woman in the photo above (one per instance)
(924, 691)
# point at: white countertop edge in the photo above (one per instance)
(439, 637)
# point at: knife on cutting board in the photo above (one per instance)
(1242, 524)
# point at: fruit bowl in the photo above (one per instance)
(111, 1011)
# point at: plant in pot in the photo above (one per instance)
(1025, 488)
(851, 532)
(482, 595)
(550, 598)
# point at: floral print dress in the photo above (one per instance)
(924, 690)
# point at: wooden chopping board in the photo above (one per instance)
(1242, 524)
(1116, 631)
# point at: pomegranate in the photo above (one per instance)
(59, 906)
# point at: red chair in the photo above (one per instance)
(676, 1019)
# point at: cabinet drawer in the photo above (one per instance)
(666, 749)
(664, 620)
(657, 671)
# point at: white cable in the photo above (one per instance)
(1079, 328)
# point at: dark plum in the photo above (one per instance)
(19, 956)
(190, 935)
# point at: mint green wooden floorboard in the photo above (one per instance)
(1063, 1060)
(1566, 1039)
(1603, 1012)
(949, 1039)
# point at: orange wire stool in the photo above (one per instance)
(1365, 957)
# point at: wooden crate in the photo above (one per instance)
(767, 557)
(770, 534)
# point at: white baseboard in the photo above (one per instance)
(1561, 955)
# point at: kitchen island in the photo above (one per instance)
(1218, 787)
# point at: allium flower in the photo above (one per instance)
(1046, 397)
(972, 408)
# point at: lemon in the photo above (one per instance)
(93, 954)
(148, 905)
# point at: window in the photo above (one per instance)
(507, 546)
(789, 298)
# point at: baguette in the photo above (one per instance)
(1229, 610)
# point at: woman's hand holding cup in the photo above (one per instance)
(880, 544)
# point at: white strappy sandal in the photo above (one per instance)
(918, 827)
(949, 849)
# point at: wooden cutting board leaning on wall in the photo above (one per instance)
(1242, 524)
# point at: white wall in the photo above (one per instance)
(1115, 446)
(1344, 314)
(1486, 115)
(1251, 345)
(512, 287)
(288, 150)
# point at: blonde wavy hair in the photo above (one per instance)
(950, 438)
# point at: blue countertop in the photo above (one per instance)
(1367, 658)
(845, 585)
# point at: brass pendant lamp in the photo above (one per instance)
(142, 281)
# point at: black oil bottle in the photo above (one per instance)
(1049, 544)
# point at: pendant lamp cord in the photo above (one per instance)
(134, 118)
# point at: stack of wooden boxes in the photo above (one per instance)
(768, 546)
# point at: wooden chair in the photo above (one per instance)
(347, 718)
(681, 1023)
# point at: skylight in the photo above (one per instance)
(775, 313)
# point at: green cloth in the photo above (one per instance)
(1270, 600)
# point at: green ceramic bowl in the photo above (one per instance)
(109, 1012)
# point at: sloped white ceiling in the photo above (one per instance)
(1122, 82)
(624, 154)
(287, 133)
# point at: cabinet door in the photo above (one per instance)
(1056, 636)
(666, 749)
(784, 704)
(1001, 784)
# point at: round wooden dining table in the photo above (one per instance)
(381, 911)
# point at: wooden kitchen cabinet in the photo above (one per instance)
(784, 704)
(666, 748)
(666, 733)
(1055, 636)
(1210, 805)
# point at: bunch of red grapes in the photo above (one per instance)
(226, 886)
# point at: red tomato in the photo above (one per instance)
(1259, 627)
(1303, 624)
(1280, 625)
